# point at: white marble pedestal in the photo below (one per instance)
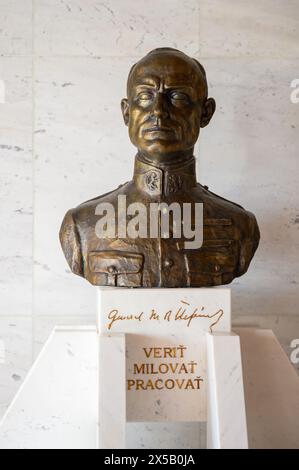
(57, 405)
(168, 355)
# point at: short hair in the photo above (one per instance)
(162, 50)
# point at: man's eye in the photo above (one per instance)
(177, 96)
(144, 96)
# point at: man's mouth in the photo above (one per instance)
(158, 129)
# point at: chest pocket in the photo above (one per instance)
(115, 268)
(214, 263)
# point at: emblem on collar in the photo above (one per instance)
(174, 183)
(152, 180)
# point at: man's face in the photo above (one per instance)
(165, 106)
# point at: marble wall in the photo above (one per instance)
(64, 65)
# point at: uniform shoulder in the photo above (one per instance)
(90, 204)
(219, 199)
(70, 243)
(244, 222)
(243, 218)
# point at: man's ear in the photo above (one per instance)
(125, 107)
(207, 111)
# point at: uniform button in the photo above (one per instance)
(168, 263)
(112, 269)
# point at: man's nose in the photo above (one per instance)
(160, 106)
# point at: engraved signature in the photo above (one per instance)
(182, 313)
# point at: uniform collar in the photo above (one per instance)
(166, 179)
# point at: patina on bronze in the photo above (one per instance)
(166, 106)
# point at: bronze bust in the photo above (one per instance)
(167, 103)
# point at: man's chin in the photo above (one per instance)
(161, 146)
(160, 152)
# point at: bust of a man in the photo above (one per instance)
(166, 106)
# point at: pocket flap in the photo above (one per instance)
(214, 257)
(115, 262)
(216, 222)
(218, 246)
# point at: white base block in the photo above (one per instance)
(159, 369)
(157, 435)
(165, 344)
(271, 391)
(112, 398)
(227, 428)
(56, 407)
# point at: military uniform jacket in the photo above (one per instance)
(230, 236)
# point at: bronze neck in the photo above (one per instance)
(164, 179)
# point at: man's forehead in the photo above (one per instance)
(155, 80)
(169, 68)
